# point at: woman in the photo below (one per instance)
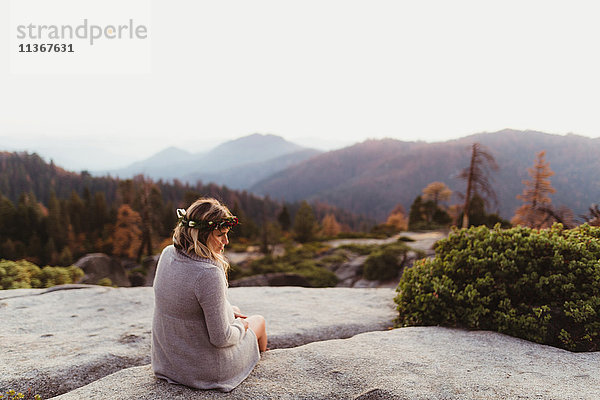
(198, 338)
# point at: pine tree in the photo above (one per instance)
(416, 214)
(284, 219)
(56, 226)
(8, 218)
(536, 212)
(304, 223)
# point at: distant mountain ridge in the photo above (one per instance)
(370, 178)
(237, 163)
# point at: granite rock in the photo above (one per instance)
(424, 363)
(54, 340)
(97, 266)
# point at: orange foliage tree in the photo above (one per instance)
(436, 192)
(128, 235)
(331, 227)
(536, 211)
(397, 218)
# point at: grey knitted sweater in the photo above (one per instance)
(196, 341)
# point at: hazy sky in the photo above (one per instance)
(320, 73)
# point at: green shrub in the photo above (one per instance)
(384, 230)
(25, 275)
(297, 260)
(106, 281)
(362, 249)
(539, 285)
(385, 262)
(337, 257)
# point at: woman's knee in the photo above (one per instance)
(257, 323)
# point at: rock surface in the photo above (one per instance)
(93, 343)
(57, 340)
(410, 363)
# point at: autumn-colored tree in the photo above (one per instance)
(536, 211)
(436, 192)
(331, 227)
(397, 218)
(476, 175)
(128, 235)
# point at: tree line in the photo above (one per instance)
(430, 210)
(50, 216)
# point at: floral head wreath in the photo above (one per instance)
(228, 222)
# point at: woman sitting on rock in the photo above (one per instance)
(198, 338)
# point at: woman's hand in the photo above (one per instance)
(237, 313)
(245, 324)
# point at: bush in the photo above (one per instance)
(299, 261)
(385, 262)
(362, 249)
(25, 275)
(539, 285)
(384, 230)
(336, 258)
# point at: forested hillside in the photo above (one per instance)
(52, 216)
(372, 177)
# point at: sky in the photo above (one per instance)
(323, 74)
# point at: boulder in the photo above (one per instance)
(410, 363)
(97, 266)
(54, 340)
(349, 272)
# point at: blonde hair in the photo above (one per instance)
(193, 240)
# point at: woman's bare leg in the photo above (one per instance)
(259, 326)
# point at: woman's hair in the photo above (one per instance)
(196, 224)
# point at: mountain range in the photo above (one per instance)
(238, 163)
(372, 177)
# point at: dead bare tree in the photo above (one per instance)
(477, 177)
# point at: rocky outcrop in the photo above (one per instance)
(410, 363)
(97, 266)
(93, 343)
(54, 341)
